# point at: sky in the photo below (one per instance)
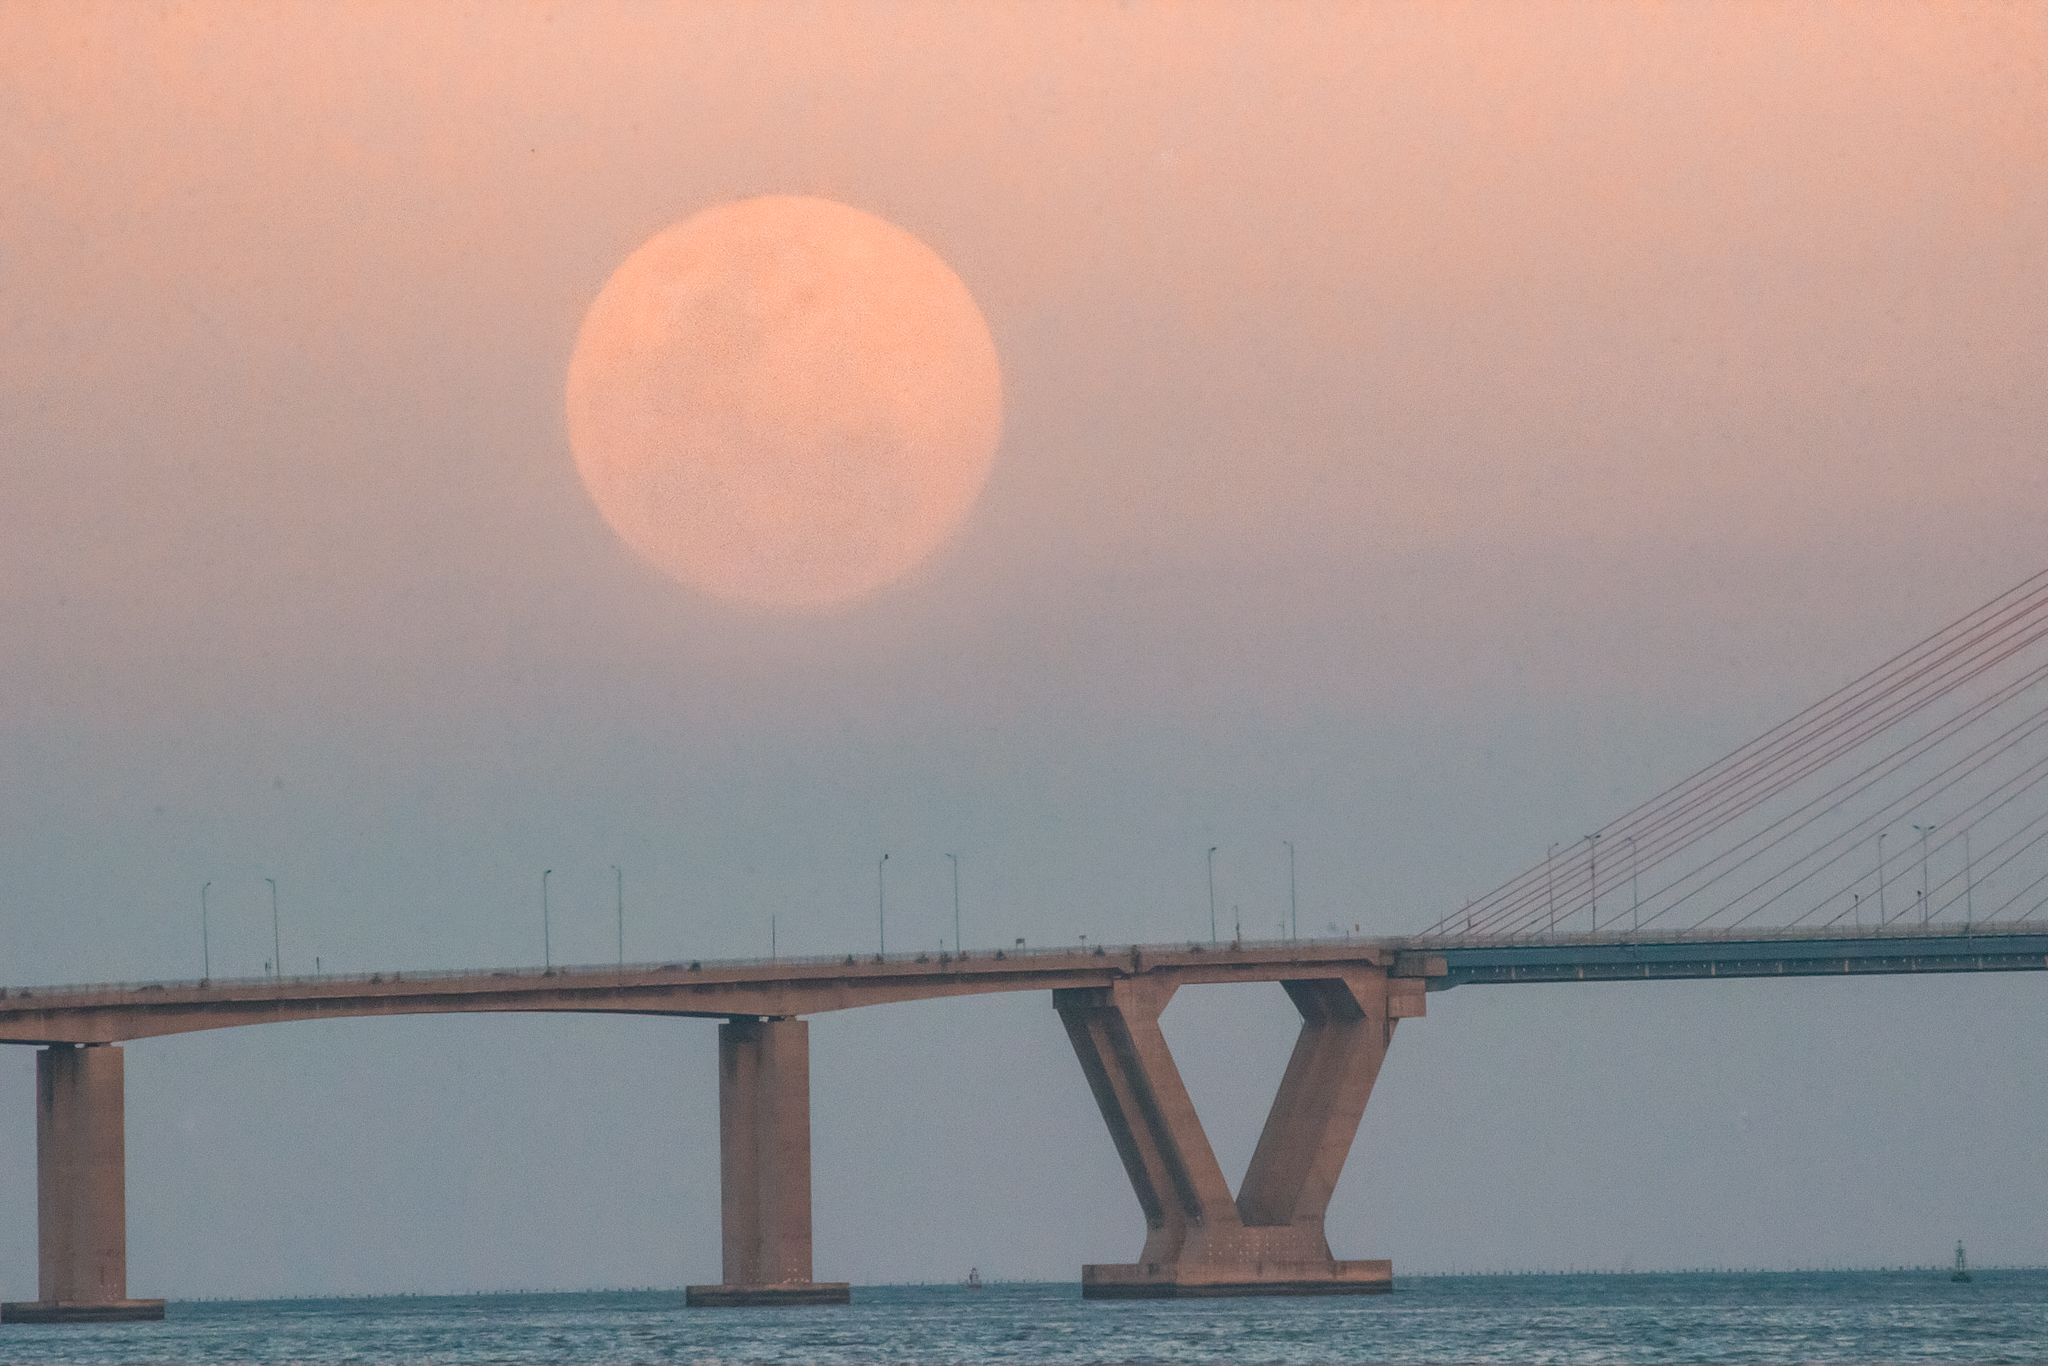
(1428, 429)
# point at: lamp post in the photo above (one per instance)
(1593, 879)
(1550, 887)
(1969, 884)
(1293, 907)
(1882, 917)
(1925, 909)
(205, 943)
(882, 904)
(547, 947)
(1635, 888)
(954, 859)
(619, 875)
(1212, 894)
(276, 938)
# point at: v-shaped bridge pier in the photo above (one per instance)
(1268, 1239)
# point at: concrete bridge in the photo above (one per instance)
(1200, 1238)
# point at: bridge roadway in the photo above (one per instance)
(715, 989)
(1201, 1239)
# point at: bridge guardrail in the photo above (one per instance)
(823, 960)
(927, 957)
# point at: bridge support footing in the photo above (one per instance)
(81, 1192)
(764, 1143)
(767, 1296)
(1174, 1282)
(113, 1311)
(1268, 1239)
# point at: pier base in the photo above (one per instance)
(113, 1311)
(1172, 1282)
(764, 1156)
(81, 1192)
(766, 1296)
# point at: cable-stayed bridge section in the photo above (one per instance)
(1899, 826)
(1916, 794)
(1686, 955)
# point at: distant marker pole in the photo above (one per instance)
(882, 904)
(205, 943)
(547, 947)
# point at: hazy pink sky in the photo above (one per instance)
(1284, 295)
(1430, 428)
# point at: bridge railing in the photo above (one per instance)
(1744, 935)
(927, 957)
(537, 973)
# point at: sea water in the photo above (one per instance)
(2000, 1316)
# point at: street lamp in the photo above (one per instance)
(1635, 888)
(882, 903)
(276, 939)
(619, 875)
(1882, 917)
(955, 860)
(1293, 908)
(1550, 887)
(205, 943)
(1593, 878)
(1925, 909)
(1212, 894)
(547, 948)
(1969, 884)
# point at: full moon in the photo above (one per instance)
(784, 401)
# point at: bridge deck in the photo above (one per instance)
(113, 1012)
(2017, 946)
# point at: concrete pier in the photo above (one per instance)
(1269, 1239)
(764, 1139)
(81, 1192)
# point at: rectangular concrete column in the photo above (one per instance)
(764, 1141)
(1345, 1031)
(1151, 1118)
(81, 1192)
